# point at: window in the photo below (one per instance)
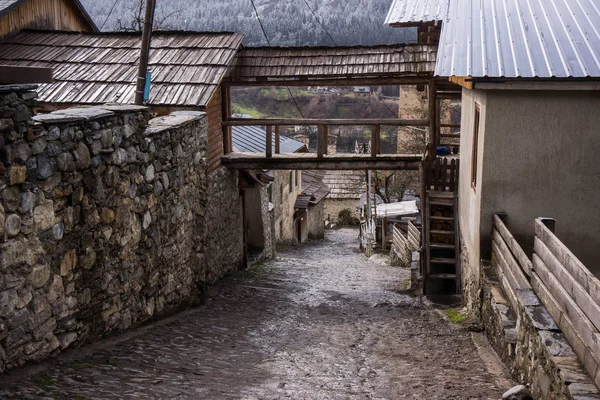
(474, 157)
(281, 198)
(291, 181)
(270, 193)
(297, 178)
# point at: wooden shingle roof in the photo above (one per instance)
(345, 184)
(93, 68)
(331, 62)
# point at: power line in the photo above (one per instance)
(384, 103)
(319, 22)
(109, 14)
(260, 23)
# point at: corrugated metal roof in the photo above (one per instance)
(415, 12)
(511, 38)
(521, 38)
(92, 68)
(331, 62)
(252, 139)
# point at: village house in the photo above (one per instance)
(342, 202)
(60, 15)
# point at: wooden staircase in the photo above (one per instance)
(440, 238)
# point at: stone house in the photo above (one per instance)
(342, 202)
(312, 201)
(280, 191)
(61, 15)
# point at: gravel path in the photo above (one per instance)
(320, 322)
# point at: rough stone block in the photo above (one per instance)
(583, 389)
(68, 263)
(39, 275)
(519, 392)
(12, 225)
(556, 343)
(43, 216)
(10, 198)
(17, 174)
(540, 318)
(19, 252)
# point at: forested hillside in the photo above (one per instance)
(286, 22)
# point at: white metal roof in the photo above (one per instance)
(396, 209)
(414, 12)
(516, 38)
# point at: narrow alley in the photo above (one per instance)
(319, 322)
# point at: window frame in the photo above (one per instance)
(475, 144)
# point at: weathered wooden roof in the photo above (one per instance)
(92, 68)
(331, 62)
(313, 186)
(345, 184)
(6, 6)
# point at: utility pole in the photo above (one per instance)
(145, 53)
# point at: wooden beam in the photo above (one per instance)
(304, 161)
(20, 75)
(277, 143)
(375, 140)
(305, 122)
(465, 82)
(432, 114)
(225, 114)
(269, 142)
(325, 139)
(320, 141)
(334, 81)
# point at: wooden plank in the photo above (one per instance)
(443, 177)
(311, 161)
(502, 264)
(325, 139)
(375, 140)
(580, 322)
(504, 282)
(580, 273)
(426, 241)
(277, 141)
(329, 121)
(269, 142)
(320, 141)
(575, 290)
(431, 113)
(339, 81)
(511, 261)
(21, 75)
(457, 246)
(513, 245)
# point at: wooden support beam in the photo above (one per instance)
(375, 140)
(277, 142)
(335, 122)
(449, 125)
(225, 114)
(339, 81)
(432, 114)
(304, 161)
(320, 137)
(22, 75)
(269, 144)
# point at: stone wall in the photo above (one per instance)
(316, 221)
(472, 278)
(284, 200)
(224, 221)
(107, 219)
(333, 207)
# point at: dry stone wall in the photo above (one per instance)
(107, 219)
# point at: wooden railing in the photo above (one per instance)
(442, 175)
(273, 125)
(570, 292)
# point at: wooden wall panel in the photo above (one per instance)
(215, 131)
(60, 15)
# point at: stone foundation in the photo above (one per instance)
(472, 278)
(107, 219)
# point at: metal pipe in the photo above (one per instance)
(145, 52)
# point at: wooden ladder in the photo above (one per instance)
(441, 246)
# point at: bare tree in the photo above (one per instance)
(133, 20)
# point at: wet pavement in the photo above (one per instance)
(320, 322)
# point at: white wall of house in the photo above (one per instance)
(539, 155)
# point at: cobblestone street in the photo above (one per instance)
(320, 322)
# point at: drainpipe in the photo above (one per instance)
(145, 52)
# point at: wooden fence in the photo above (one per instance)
(412, 240)
(442, 175)
(509, 261)
(570, 292)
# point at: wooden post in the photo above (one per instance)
(376, 140)
(226, 114)
(145, 52)
(321, 141)
(269, 142)
(431, 139)
(277, 144)
(325, 138)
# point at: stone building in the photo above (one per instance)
(108, 218)
(346, 188)
(312, 200)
